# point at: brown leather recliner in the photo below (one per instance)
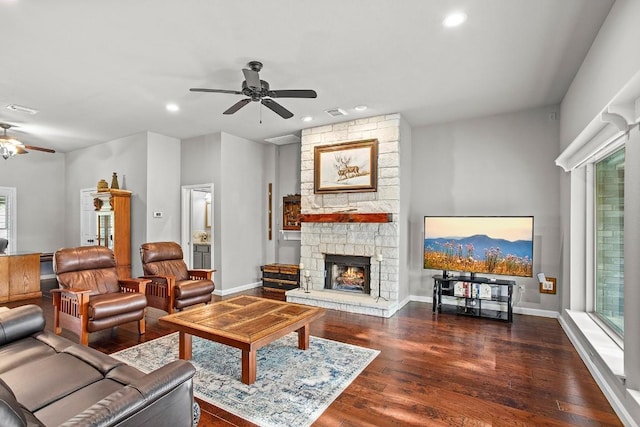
(90, 296)
(173, 286)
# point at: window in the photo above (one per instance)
(609, 241)
(8, 216)
(4, 223)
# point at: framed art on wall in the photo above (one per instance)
(346, 167)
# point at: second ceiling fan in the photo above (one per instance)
(258, 90)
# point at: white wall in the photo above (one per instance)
(500, 165)
(163, 189)
(606, 73)
(40, 190)
(611, 62)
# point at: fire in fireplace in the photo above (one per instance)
(347, 273)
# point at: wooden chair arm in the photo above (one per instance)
(133, 285)
(160, 279)
(71, 291)
(201, 273)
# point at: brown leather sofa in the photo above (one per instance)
(47, 380)
(91, 297)
(173, 286)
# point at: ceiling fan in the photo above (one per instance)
(9, 146)
(258, 90)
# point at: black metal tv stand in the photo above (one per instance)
(474, 296)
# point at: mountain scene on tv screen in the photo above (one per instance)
(479, 254)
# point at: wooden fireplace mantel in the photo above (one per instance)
(347, 217)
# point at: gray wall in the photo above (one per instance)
(200, 164)
(500, 165)
(243, 230)
(163, 191)
(238, 170)
(129, 158)
(40, 190)
(405, 147)
(288, 173)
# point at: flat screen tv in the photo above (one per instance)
(501, 245)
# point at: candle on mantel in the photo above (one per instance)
(301, 266)
(307, 273)
(379, 257)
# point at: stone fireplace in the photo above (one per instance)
(338, 233)
(347, 273)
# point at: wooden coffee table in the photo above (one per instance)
(244, 322)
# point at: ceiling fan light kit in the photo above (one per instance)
(257, 90)
(9, 146)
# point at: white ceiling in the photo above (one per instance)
(100, 70)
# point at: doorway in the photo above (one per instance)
(197, 225)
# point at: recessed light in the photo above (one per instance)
(172, 107)
(454, 19)
(306, 118)
(360, 107)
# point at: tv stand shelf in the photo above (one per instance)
(474, 296)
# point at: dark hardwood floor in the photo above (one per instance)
(434, 370)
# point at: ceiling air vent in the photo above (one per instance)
(336, 112)
(284, 139)
(21, 109)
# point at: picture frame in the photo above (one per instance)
(349, 167)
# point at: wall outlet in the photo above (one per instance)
(157, 214)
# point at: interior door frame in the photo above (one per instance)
(83, 213)
(185, 221)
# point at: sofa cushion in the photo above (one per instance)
(23, 351)
(20, 322)
(176, 268)
(57, 376)
(69, 406)
(192, 288)
(113, 304)
(87, 268)
(164, 259)
(10, 410)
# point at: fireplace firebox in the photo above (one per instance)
(348, 273)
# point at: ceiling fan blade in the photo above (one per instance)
(46, 150)
(199, 89)
(238, 105)
(293, 93)
(21, 150)
(277, 108)
(252, 78)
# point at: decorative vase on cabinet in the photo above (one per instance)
(113, 208)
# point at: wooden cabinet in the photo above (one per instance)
(291, 212)
(201, 256)
(113, 210)
(19, 276)
(280, 276)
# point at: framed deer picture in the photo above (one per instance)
(346, 167)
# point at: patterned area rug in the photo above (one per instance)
(293, 386)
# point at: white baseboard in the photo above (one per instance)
(225, 292)
(536, 312)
